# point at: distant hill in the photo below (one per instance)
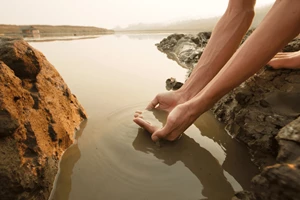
(45, 30)
(192, 24)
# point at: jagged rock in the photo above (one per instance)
(245, 195)
(280, 181)
(172, 84)
(288, 151)
(291, 131)
(38, 118)
(185, 50)
(254, 113)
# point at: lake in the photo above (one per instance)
(113, 76)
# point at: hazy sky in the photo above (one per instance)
(108, 13)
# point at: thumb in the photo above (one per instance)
(157, 135)
(153, 103)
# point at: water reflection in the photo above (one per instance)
(111, 162)
(235, 151)
(157, 36)
(59, 38)
(197, 159)
(63, 184)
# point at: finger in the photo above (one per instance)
(283, 55)
(271, 62)
(146, 125)
(160, 134)
(168, 132)
(138, 115)
(153, 103)
(159, 107)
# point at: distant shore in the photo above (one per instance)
(191, 31)
(37, 31)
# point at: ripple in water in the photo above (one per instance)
(114, 159)
(125, 164)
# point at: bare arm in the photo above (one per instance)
(276, 30)
(224, 41)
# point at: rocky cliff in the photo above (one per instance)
(263, 113)
(38, 119)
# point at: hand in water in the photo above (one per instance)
(166, 101)
(178, 120)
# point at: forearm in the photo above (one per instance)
(276, 30)
(224, 41)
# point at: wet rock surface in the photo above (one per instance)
(262, 113)
(184, 49)
(38, 119)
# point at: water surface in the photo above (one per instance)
(112, 76)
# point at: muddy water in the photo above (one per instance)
(113, 76)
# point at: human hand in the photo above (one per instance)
(178, 120)
(166, 101)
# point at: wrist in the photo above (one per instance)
(185, 93)
(192, 109)
(198, 105)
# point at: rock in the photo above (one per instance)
(288, 151)
(172, 84)
(8, 124)
(185, 50)
(38, 119)
(254, 113)
(245, 195)
(280, 181)
(291, 131)
(177, 85)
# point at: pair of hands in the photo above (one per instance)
(179, 118)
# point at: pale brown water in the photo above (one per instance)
(114, 159)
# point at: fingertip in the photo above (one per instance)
(152, 104)
(155, 138)
(135, 120)
(149, 107)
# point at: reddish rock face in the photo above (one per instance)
(38, 119)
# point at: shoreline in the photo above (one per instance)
(254, 115)
(37, 31)
(61, 38)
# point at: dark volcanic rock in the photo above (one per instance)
(33, 97)
(254, 113)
